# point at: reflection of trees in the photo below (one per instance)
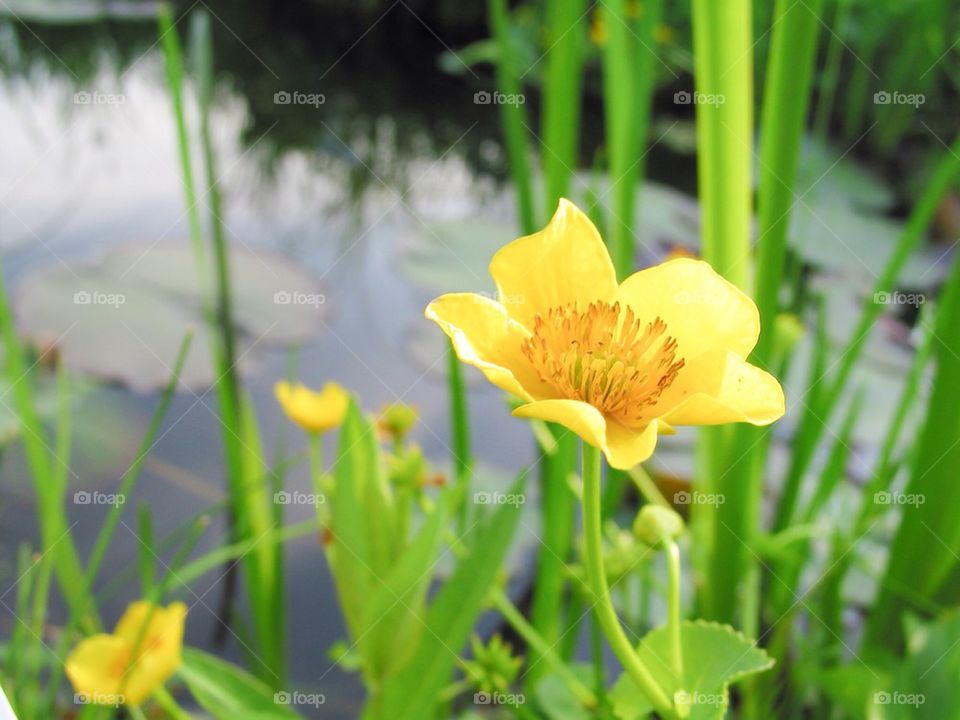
(262, 48)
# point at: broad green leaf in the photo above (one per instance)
(555, 699)
(227, 692)
(714, 656)
(393, 616)
(411, 694)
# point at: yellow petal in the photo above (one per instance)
(565, 262)
(624, 447)
(745, 393)
(96, 667)
(313, 411)
(485, 336)
(702, 310)
(158, 653)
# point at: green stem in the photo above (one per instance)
(597, 581)
(673, 607)
(536, 642)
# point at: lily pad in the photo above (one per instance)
(123, 316)
(714, 656)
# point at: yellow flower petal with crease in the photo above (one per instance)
(96, 667)
(701, 309)
(565, 262)
(127, 666)
(313, 411)
(746, 394)
(624, 447)
(485, 336)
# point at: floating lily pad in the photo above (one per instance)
(122, 317)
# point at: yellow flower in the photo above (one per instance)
(127, 666)
(313, 411)
(615, 364)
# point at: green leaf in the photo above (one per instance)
(925, 685)
(412, 693)
(557, 701)
(714, 656)
(362, 519)
(393, 617)
(227, 692)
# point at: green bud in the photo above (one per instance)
(655, 524)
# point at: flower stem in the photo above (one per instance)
(673, 607)
(597, 582)
(536, 642)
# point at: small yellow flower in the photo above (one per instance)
(313, 411)
(615, 364)
(111, 669)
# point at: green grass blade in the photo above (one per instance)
(513, 116)
(562, 85)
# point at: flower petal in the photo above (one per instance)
(565, 262)
(703, 311)
(745, 394)
(96, 667)
(485, 336)
(624, 447)
(158, 653)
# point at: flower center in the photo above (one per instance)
(604, 357)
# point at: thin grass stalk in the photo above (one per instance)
(921, 555)
(551, 581)
(815, 416)
(460, 430)
(723, 70)
(786, 99)
(513, 116)
(49, 482)
(562, 85)
(830, 78)
(107, 529)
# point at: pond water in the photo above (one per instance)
(338, 189)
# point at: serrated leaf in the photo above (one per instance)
(714, 656)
